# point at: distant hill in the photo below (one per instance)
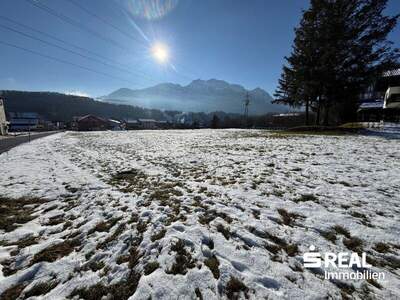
(199, 96)
(61, 107)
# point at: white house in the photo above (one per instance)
(3, 120)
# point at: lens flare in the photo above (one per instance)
(151, 9)
(160, 52)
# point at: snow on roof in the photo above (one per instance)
(131, 121)
(287, 115)
(90, 116)
(395, 72)
(371, 105)
(147, 120)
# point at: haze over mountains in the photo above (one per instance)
(198, 96)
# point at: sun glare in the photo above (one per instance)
(160, 52)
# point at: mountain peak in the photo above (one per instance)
(198, 96)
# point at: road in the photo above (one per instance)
(11, 142)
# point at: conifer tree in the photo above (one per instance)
(340, 47)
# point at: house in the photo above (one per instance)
(115, 125)
(90, 123)
(381, 100)
(292, 119)
(163, 124)
(24, 121)
(131, 124)
(147, 123)
(3, 120)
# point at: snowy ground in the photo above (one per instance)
(205, 214)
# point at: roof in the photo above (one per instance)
(23, 115)
(395, 72)
(90, 116)
(147, 120)
(371, 105)
(131, 121)
(287, 115)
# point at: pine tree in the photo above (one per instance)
(340, 46)
(215, 122)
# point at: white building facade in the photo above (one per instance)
(3, 120)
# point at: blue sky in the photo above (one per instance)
(240, 41)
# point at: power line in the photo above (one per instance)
(72, 22)
(71, 51)
(105, 21)
(63, 61)
(57, 39)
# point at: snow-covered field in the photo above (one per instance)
(204, 214)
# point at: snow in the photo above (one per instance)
(192, 184)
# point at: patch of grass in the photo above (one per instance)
(104, 226)
(183, 259)
(55, 220)
(56, 252)
(256, 213)
(278, 193)
(141, 226)
(130, 180)
(374, 283)
(134, 218)
(25, 242)
(159, 235)
(278, 243)
(346, 288)
(120, 229)
(41, 288)
(118, 291)
(330, 235)
(341, 230)
(353, 243)
(382, 247)
(292, 249)
(198, 294)
(150, 267)
(14, 212)
(13, 292)
(93, 265)
(307, 197)
(213, 264)
(235, 288)
(287, 217)
(224, 230)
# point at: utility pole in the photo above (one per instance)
(246, 109)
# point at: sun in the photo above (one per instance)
(160, 52)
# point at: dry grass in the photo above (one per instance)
(235, 288)
(288, 218)
(56, 252)
(14, 212)
(150, 267)
(224, 230)
(13, 292)
(341, 230)
(183, 259)
(41, 288)
(159, 235)
(120, 229)
(104, 226)
(213, 264)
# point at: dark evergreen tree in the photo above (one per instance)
(215, 122)
(340, 47)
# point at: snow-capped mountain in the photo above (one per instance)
(198, 96)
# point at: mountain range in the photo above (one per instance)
(198, 96)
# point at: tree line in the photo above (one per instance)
(340, 48)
